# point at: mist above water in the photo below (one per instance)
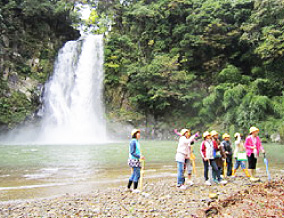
(73, 108)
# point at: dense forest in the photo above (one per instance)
(198, 63)
(168, 63)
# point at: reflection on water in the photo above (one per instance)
(43, 171)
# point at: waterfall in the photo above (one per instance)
(73, 109)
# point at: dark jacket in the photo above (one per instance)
(228, 148)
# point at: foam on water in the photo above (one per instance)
(31, 186)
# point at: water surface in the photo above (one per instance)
(35, 171)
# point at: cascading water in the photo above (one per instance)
(73, 110)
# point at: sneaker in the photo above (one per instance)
(207, 182)
(254, 179)
(178, 185)
(223, 182)
(190, 183)
(128, 190)
(216, 181)
(182, 187)
(136, 191)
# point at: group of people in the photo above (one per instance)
(215, 153)
(219, 155)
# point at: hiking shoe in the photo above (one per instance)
(254, 179)
(216, 181)
(182, 187)
(128, 190)
(136, 191)
(223, 182)
(207, 182)
(190, 183)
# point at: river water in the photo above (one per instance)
(37, 171)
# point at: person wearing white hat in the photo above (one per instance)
(240, 155)
(183, 156)
(207, 154)
(134, 157)
(253, 146)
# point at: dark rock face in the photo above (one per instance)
(29, 41)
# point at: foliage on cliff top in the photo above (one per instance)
(198, 62)
(31, 32)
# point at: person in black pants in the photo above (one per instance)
(227, 145)
(207, 153)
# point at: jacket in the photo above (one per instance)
(239, 147)
(249, 143)
(134, 149)
(207, 149)
(183, 149)
(228, 148)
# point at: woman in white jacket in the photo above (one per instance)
(240, 150)
(182, 157)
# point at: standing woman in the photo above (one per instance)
(219, 154)
(207, 153)
(183, 156)
(238, 155)
(226, 143)
(253, 146)
(134, 157)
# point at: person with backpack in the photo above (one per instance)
(207, 154)
(134, 159)
(253, 147)
(219, 154)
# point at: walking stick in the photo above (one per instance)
(225, 169)
(192, 158)
(142, 174)
(266, 165)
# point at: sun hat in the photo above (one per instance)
(253, 129)
(134, 131)
(183, 131)
(205, 134)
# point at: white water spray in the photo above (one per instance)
(73, 109)
(73, 105)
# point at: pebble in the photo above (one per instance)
(160, 198)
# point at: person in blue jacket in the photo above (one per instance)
(134, 157)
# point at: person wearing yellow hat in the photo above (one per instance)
(239, 155)
(253, 146)
(226, 144)
(207, 153)
(134, 157)
(219, 153)
(183, 157)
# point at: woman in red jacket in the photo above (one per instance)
(207, 153)
(253, 146)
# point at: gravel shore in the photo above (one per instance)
(160, 198)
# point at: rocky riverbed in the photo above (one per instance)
(161, 198)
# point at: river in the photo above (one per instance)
(41, 171)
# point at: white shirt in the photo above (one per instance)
(183, 150)
(209, 148)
